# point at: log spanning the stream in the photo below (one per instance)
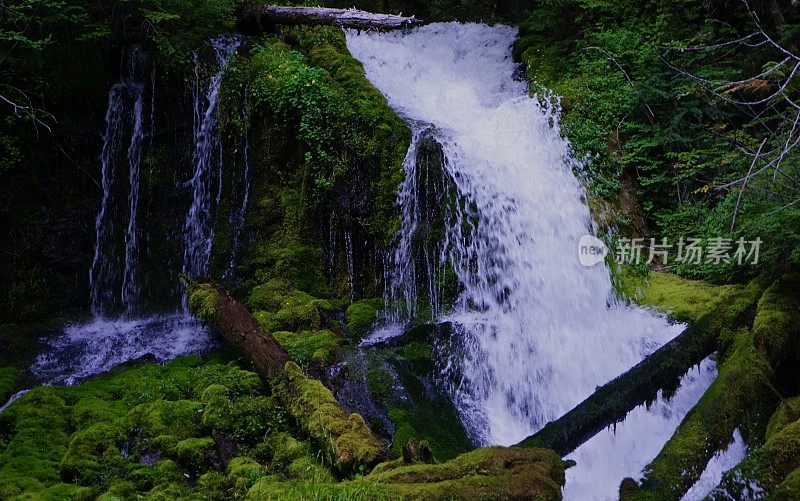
(254, 19)
(661, 371)
(610, 403)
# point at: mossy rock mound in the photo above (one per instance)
(361, 316)
(489, 473)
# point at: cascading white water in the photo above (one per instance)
(539, 330)
(104, 273)
(207, 160)
(401, 278)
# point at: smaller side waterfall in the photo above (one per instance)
(131, 286)
(401, 289)
(104, 273)
(238, 216)
(207, 160)
(100, 273)
(84, 350)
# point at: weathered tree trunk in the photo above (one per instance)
(240, 329)
(345, 440)
(743, 396)
(662, 370)
(255, 19)
(741, 392)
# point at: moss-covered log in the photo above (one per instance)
(740, 393)
(256, 19)
(215, 306)
(490, 473)
(345, 440)
(661, 371)
(743, 396)
(774, 467)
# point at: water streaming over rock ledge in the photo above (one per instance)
(109, 339)
(538, 330)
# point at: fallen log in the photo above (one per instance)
(237, 325)
(345, 440)
(661, 371)
(256, 19)
(742, 396)
(741, 393)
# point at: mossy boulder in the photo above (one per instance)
(94, 452)
(307, 347)
(195, 453)
(361, 315)
(244, 472)
(203, 300)
(268, 296)
(489, 473)
(296, 311)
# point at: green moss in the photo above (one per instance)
(493, 472)
(179, 418)
(195, 453)
(281, 449)
(295, 312)
(309, 346)
(345, 441)
(308, 469)
(245, 470)
(380, 383)
(740, 396)
(9, 382)
(94, 453)
(790, 487)
(165, 414)
(428, 414)
(777, 325)
(787, 413)
(361, 315)
(403, 431)
(163, 472)
(203, 301)
(269, 295)
(685, 299)
(269, 489)
(770, 465)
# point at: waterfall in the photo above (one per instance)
(538, 331)
(207, 160)
(401, 290)
(238, 216)
(84, 350)
(101, 272)
(130, 284)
